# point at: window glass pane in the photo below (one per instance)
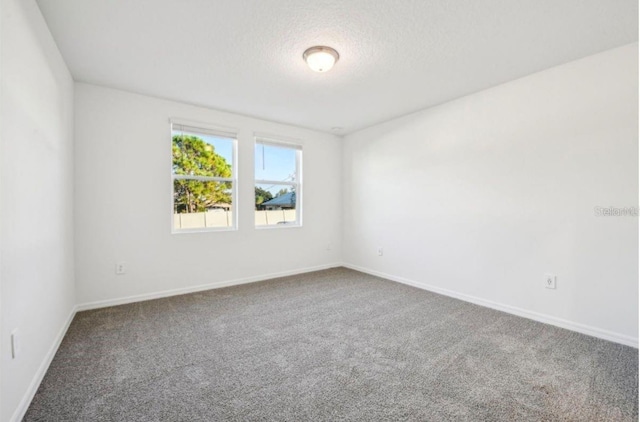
(275, 163)
(202, 155)
(198, 204)
(275, 205)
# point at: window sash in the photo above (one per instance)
(196, 130)
(202, 178)
(272, 142)
(204, 129)
(275, 182)
(296, 184)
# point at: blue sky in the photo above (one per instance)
(274, 163)
(223, 146)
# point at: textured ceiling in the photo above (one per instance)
(396, 57)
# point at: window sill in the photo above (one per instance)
(205, 230)
(279, 227)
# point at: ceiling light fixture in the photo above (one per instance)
(320, 58)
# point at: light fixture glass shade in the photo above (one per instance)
(320, 59)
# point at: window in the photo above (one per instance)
(203, 177)
(278, 186)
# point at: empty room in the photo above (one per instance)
(329, 210)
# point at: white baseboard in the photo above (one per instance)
(199, 288)
(547, 319)
(21, 410)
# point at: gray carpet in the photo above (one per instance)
(327, 346)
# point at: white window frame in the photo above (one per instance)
(195, 128)
(268, 140)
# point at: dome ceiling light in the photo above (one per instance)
(320, 58)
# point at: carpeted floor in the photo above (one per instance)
(328, 346)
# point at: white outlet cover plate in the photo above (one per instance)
(550, 281)
(121, 268)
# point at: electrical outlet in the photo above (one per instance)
(16, 346)
(121, 268)
(329, 246)
(380, 251)
(550, 281)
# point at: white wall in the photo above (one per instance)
(36, 193)
(481, 196)
(123, 202)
